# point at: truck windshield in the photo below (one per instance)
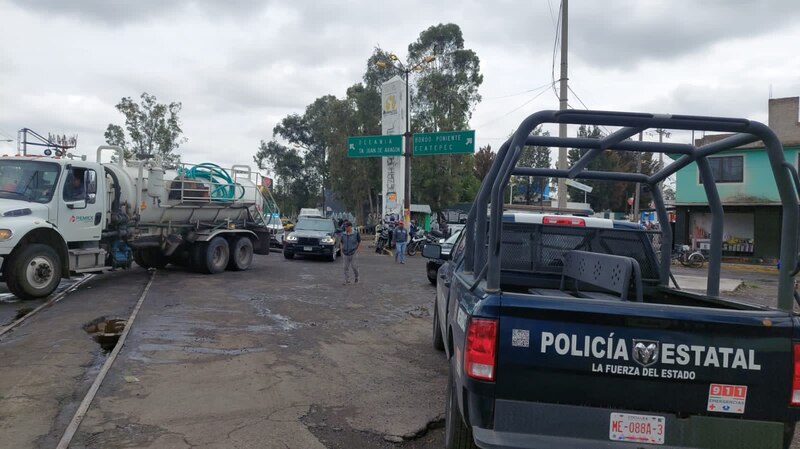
(28, 180)
(314, 224)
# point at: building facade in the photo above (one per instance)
(752, 222)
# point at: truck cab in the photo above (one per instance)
(45, 203)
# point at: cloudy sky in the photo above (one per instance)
(239, 66)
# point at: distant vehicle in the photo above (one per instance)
(432, 266)
(564, 330)
(313, 236)
(310, 212)
(288, 225)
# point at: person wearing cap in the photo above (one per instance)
(349, 244)
(400, 239)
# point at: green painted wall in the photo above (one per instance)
(758, 185)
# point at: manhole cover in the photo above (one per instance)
(105, 331)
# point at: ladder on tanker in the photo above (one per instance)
(266, 212)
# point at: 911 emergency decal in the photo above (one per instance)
(726, 398)
(609, 354)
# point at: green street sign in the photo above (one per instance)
(375, 146)
(453, 142)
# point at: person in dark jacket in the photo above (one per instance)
(349, 244)
(401, 240)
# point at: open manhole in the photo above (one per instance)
(105, 331)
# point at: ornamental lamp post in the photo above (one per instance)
(394, 62)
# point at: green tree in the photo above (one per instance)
(446, 93)
(536, 157)
(153, 128)
(608, 195)
(484, 158)
(291, 183)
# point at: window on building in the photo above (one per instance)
(726, 169)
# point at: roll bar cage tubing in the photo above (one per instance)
(485, 258)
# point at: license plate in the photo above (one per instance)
(637, 428)
(308, 248)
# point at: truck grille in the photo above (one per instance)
(310, 241)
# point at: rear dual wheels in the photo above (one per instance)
(241, 254)
(217, 254)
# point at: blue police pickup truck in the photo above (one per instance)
(564, 331)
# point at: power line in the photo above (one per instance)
(543, 90)
(556, 40)
(518, 93)
(552, 17)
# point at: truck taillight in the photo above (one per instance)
(479, 356)
(564, 221)
(796, 375)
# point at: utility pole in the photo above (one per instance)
(636, 215)
(562, 127)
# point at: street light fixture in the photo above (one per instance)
(394, 62)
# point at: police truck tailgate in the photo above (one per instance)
(645, 358)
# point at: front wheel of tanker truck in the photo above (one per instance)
(33, 272)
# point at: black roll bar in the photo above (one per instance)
(483, 256)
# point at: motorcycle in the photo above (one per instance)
(382, 239)
(688, 258)
(416, 243)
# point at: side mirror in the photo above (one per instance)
(90, 181)
(432, 251)
(80, 204)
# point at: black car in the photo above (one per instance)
(313, 236)
(432, 267)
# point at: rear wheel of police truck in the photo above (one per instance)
(456, 433)
(34, 272)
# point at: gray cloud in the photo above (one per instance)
(112, 13)
(620, 33)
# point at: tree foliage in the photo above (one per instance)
(533, 187)
(607, 195)
(484, 158)
(446, 92)
(153, 128)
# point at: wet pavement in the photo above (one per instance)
(282, 355)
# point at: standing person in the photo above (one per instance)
(349, 244)
(401, 240)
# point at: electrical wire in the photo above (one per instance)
(542, 90)
(518, 93)
(556, 40)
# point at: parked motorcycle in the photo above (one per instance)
(416, 243)
(687, 257)
(382, 239)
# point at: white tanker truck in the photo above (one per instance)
(62, 216)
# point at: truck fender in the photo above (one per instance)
(50, 237)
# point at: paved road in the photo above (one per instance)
(280, 356)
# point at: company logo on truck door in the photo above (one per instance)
(81, 218)
(646, 353)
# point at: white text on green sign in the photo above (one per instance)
(375, 146)
(452, 142)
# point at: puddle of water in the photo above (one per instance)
(105, 331)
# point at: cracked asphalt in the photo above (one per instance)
(280, 356)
